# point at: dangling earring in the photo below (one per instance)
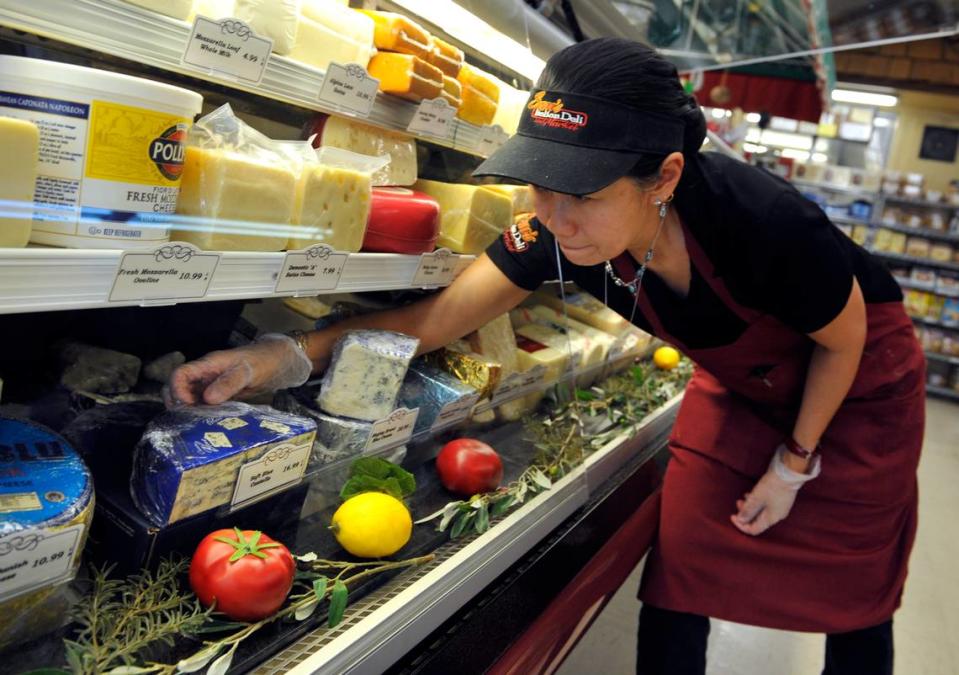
(663, 206)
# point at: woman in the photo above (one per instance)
(802, 346)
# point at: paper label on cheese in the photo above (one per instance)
(455, 412)
(37, 557)
(490, 140)
(231, 423)
(174, 271)
(278, 427)
(315, 269)
(349, 88)
(396, 429)
(433, 117)
(436, 268)
(228, 46)
(217, 439)
(280, 468)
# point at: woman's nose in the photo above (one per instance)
(558, 221)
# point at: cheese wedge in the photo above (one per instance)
(406, 75)
(20, 140)
(446, 57)
(510, 107)
(452, 91)
(584, 307)
(329, 33)
(240, 204)
(339, 132)
(396, 33)
(519, 195)
(471, 217)
(331, 206)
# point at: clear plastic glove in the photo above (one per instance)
(273, 362)
(772, 498)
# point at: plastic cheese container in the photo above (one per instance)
(402, 221)
(111, 151)
(46, 504)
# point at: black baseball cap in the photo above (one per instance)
(578, 144)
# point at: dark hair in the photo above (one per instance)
(633, 74)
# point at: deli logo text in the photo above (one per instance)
(555, 114)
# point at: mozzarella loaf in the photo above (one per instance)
(330, 33)
(471, 217)
(20, 140)
(178, 9)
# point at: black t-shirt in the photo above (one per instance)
(776, 251)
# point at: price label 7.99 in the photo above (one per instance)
(318, 268)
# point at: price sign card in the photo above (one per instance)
(36, 557)
(280, 468)
(490, 140)
(349, 88)
(455, 412)
(433, 117)
(315, 269)
(436, 268)
(227, 46)
(173, 271)
(519, 384)
(393, 430)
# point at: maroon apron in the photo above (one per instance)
(838, 561)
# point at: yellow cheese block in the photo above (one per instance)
(240, 204)
(329, 33)
(446, 57)
(484, 83)
(471, 217)
(477, 108)
(519, 195)
(530, 354)
(510, 107)
(339, 132)
(496, 341)
(452, 91)
(20, 140)
(396, 33)
(331, 206)
(567, 342)
(406, 75)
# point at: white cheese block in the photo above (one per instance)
(213, 9)
(471, 217)
(178, 9)
(274, 19)
(605, 341)
(366, 372)
(20, 140)
(520, 196)
(530, 354)
(331, 33)
(339, 132)
(584, 307)
(496, 341)
(586, 354)
(331, 207)
(241, 204)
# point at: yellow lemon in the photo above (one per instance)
(666, 358)
(372, 525)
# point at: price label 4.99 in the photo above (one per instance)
(36, 557)
(173, 271)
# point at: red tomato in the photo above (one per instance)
(468, 466)
(247, 573)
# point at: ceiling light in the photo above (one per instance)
(881, 122)
(753, 118)
(864, 98)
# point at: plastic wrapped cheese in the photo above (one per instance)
(274, 19)
(452, 91)
(178, 9)
(604, 340)
(396, 33)
(330, 33)
(46, 502)
(430, 389)
(477, 371)
(331, 207)
(407, 76)
(364, 139)
(366, 371)
(188, 459)
(446, 57)
(480, 96)
(520, 196)
(529, 355)
(20, 140)
(471, 217)
(584, 307)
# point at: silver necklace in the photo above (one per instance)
(637, 281)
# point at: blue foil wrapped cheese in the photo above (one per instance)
(430, 389)
(366, 372)
(188, 459)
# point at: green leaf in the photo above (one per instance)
(371, 466)
(482, 519)
(319, 587)
(360, 484)
(500, 506)
(198, 661)
(218, 626)
(449, 512)
(130, 670)
(222, 664)
(73, 656)
(306, 611)
(338, 599)
(460, 523)
(541, 479)
(583, 395)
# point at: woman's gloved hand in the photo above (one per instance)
(772, 498)
(273, 362)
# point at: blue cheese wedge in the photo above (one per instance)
(430, 389)
(366, 372)
(189, 459)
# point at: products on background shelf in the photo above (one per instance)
(397, 33)
(364, 139)
(407, 76)
(471, 217)
(20, 140)
(480, 96)
(330, 33)
(452, 91)
(446, 57)
(178, 9)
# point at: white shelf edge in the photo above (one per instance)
(137, 34)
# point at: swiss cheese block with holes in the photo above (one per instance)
(471, 217)
(332, 207)
(339, 132)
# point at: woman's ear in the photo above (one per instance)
(670, 171)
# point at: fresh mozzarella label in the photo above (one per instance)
(393, 430)
(174, 271)
(227, 46)
(280, 468)
(317, 268)
(436, 268)
(433, 117)
(349, 88)
(34, 558)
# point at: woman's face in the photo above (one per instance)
(597, 226)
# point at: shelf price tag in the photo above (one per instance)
(455, 412)
(280, 468)
(433, 117)
(491, 139)
(227, 46)
(396, 429)
(36, 557)
(312, 270)
(436, 268)
(519, 384)
(173, 271)
(349, 88)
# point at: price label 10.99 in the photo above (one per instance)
(173, 271)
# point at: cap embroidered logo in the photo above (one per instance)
(554, 114)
